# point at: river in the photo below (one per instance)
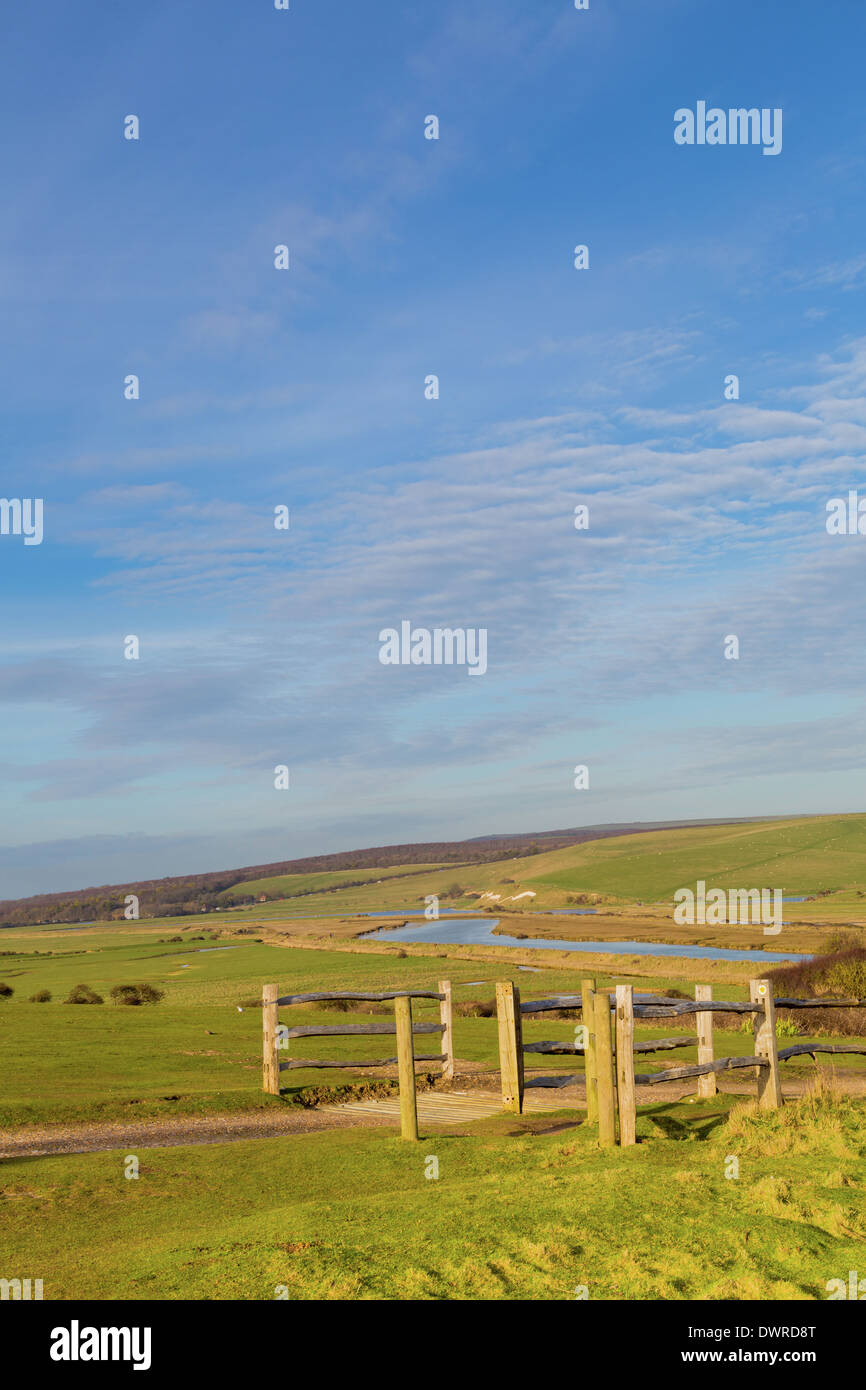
(478, 931)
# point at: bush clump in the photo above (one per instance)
(841, 973)
(6, 991)
(475, 1008)
(136, 994)
(840, 940)
(83, 994)
(42, 996)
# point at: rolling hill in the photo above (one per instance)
(804, 857)
(616, 865)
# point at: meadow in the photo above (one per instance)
(523, 1207)
(198, 1051)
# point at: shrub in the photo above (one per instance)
(124, 994)
(840, 941)
(476, 1008)
(41, 996)
(136, 994)
(83, 994)
(847, 974)
(840, 973)
(6, 991)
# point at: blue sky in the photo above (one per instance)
(306, 388)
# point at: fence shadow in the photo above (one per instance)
(673, 1126)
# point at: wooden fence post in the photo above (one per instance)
(406, 1068)
(625, 1064)
(587, 993)
(769, 1083)
(510, 1045)
(706, 1084)
(270, 1057)
(446, 1018)
(604, 1068)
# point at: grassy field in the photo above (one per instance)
(198, 1050)
(827, 853)
(818, 855)
(523, 1208)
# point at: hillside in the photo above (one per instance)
(825, 854)
(617, 863)
(805, 857)
(182, 894)
(304, 885)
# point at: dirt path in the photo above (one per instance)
(33, 1142)
(436, 1107)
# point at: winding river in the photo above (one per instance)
(478, 931)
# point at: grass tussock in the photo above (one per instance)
(824, 1120)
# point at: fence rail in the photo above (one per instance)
(360, 994)
(579, 1050)
(276, 1037)
(351, 1029)
(302, 1063)
(699, 1069)
(609, 1065)
(670, 1008)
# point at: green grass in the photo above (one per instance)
(194, 1053)
(516, 1213)
(295, 885)
(799, 856)
(803, 856)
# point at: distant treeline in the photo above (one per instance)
(195, 893)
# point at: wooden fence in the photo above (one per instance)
(609, 1062)
(275, 1038)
